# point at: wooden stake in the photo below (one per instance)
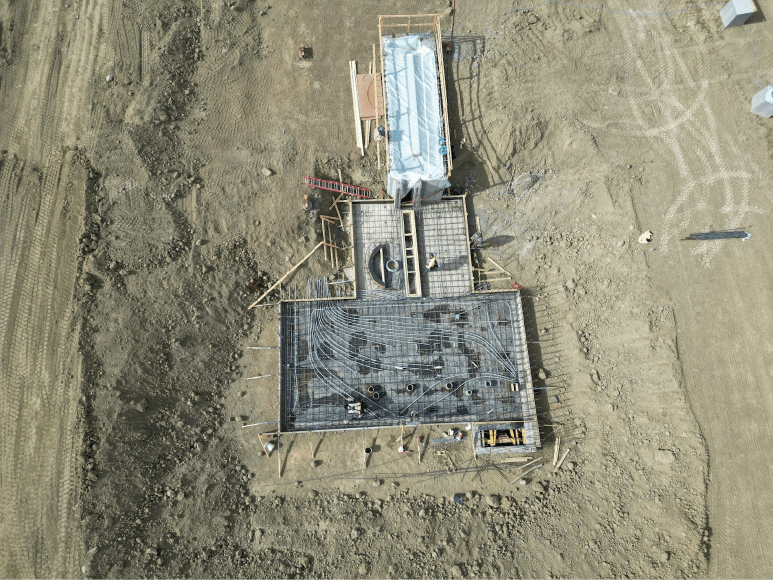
(343, 193)
(278, 282)
(555, 450)
(311, 448)
(558, 465)
(516, 460)
(500, 267)
(528, 464)
(278, 455)
(525, 472)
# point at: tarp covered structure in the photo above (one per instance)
(417, 140)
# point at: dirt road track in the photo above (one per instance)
(51, 56)
(697, 113)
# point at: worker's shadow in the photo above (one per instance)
(495, 242)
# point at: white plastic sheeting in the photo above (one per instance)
(417, 144)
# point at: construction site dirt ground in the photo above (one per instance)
(137, 226)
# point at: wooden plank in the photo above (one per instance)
(558, 465)
(324, 239)
(357, 127)
(525, 473)
(351, 237)
(469, 250)
(383, 87)
(500, 267)
(441, 74)
(381, 261)
(367, 122)
(290, 271)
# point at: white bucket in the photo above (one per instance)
(269, 447)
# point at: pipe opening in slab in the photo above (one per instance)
(489, 383)
(392, 266)
(368, 451)
(449, 386)
(409, 388)
(468, 393)
(376, 396)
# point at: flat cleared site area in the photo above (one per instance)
(151, 165)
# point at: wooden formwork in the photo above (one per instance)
(398, 25)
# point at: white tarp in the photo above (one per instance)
(417, 144)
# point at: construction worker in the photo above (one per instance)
(432, 264)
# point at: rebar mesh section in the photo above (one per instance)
(440, 231)
(372, 363)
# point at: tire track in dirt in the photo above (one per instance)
(679, 104)
(43, 199)
(689, 129)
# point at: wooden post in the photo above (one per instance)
(324, 240)
(377, 85)
(357, 125)
(383, 84)
(278, 455)
(560, 461)
(278, 282)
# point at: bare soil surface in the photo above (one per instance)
(138, 225)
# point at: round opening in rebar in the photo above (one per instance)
(376, 396)
(468, 393)
(449, 386)
(409, 388)
(488, 383)
(368, 451)
(371, 389)
(392, 266)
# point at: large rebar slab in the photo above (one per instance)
(371, 363)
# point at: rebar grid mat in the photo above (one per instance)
(384, 362)
(440, 230)
(442, 233)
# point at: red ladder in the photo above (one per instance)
(353, 190)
